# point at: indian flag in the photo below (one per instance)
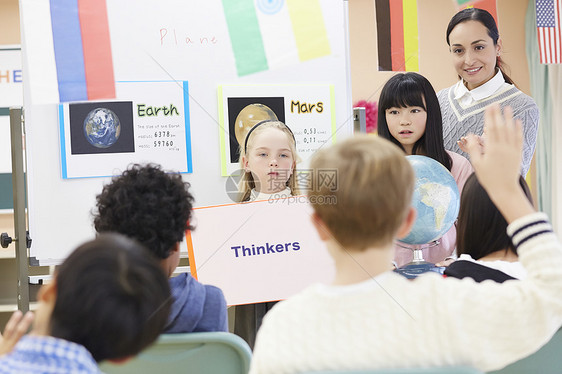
(267, 34)
(68, 50)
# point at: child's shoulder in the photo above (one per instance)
(461, 168)
(458, 158)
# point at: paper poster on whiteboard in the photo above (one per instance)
(308, 110)
(264, 251)
(149, 124)
(76, 50)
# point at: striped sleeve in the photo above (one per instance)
(528, 227)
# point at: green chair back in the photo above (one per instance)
(547, 360)
(194, 353)
(436, 370)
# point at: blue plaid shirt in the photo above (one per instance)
(45, 354)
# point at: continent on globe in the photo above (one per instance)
(102, 128)
(437, 197)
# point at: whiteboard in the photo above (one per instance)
(166, 40)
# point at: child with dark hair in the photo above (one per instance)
(108, 301)
(154, 207)
(484, 248)
(410, 117)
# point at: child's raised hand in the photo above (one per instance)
(501, 158)
(463, 142)
(16, 327)
(498, 167)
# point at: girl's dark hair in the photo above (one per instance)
(410, 89)
(485, 18)
(481, 229)
(112, 297)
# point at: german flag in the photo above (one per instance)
(397, 34)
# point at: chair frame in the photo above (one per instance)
(199, 352)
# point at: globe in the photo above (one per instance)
(436, 200)
(248, 117)
(102, 128)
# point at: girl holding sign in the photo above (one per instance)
(268, 158)
(409, 116)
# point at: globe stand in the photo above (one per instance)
(418, 265)
(418, 254)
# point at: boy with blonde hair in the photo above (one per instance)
(371, 317)
(360, 164)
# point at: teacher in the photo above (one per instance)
(475, 46)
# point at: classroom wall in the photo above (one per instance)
(434, 57)
(9, 22)
(435, 60)
(433, 16)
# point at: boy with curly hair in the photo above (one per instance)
(154, 207)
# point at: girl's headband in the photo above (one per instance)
(261, 123)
